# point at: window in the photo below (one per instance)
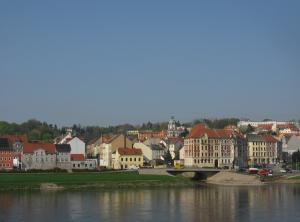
(130, 159)
(74, 165)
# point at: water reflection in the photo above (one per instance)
(211, 203)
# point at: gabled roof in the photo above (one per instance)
(63, 148)
(77, 157)
(5, 145)
(130, 151)
(200, 130)
(261, 138)
(32, 146)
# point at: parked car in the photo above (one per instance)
(133, 167)
(263, 172)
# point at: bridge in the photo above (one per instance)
(199, 173)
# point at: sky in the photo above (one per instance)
(113, 62)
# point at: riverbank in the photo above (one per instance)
(234, 179)
(79, 181)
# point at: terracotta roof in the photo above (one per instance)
(200, 130)
(287, 126)
(175, 140)
(77, 157)
(265, 126)
(261, 138)
(16, 138)
(130, 151)
(32, 146)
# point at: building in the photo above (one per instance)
(174, 130)
(174, 145)
(128, 158)
(38, 155)
(290, 144)
(6, 154)
(63, 156)
(144, 135)
(78, 161)
(109, 145)
(206, 147)
(263, 149)
(17, 145)
(152, 152)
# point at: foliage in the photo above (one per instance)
(218, 123)
(168, 158)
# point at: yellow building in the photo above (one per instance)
(128, 158)
(263, 149)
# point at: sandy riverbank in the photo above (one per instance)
(234, 179)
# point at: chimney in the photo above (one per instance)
(125, 141)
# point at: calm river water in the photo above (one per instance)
(208, 203)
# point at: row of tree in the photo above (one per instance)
(37, 130)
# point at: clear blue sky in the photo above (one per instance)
(111, 62)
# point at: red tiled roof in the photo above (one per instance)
(200, 130)
(32, 146)
(287, 126)
(130, 151)
(265, 126)
(16, 138)
(77, 157)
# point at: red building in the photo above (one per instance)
(6, 154)
(150, 134)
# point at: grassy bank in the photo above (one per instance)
(88, 180)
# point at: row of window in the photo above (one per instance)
(5, 165)
(259, 149)
(263, 154)
(5, 158)
(130, 159)
(78, 165)
(226, 161)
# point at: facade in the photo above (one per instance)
(174, 131)
(174, 145)
(63, 156)
(6, 154)
(206, 147)
(38, 155)
(152, 153)
(127, 158)
(290, 145)
(150, 134)
(109, 146)
(17, 145)
(77, 145)
(263, 149)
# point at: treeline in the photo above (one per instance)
(33, 129)
(37, 130)
(218, 123)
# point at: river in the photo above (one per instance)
(207, 203)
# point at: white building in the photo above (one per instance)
(77, 146)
